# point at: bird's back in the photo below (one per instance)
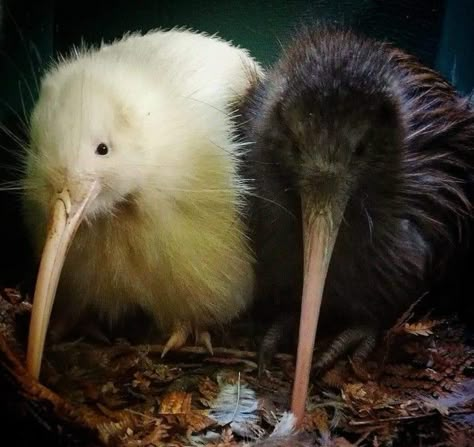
(391, 246)
(204, 66)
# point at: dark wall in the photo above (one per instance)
(439, 32)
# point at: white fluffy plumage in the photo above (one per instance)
(165, 231)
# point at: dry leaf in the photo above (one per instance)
(227, 438)
(111, 431)
(316, 420)
(176, 407)
(176, 402)
(198, 421)
(422, 328)
(355, 391)
(157, 432)
(141, 382)
(13, 296)
(126, 379)
(209, 390)
(109, 387)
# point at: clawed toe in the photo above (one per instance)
(204, 339)
(177, 339)
(361, 340)
(180, 336)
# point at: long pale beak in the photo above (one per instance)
(62, 226)
(319, 237)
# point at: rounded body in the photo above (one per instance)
(166, 231)
(344, 119)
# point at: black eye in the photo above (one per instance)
(359, 149)
(102, 149)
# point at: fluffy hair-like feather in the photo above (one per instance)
(166, 232)
(409, 213)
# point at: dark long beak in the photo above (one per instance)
(319, 236)
(62, 226)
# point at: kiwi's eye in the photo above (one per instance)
(102, 149)
(359, 149)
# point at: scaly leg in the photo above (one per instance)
(180, 335)
(361, 340)
(283, 328)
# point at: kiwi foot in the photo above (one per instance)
(180, 335)
(360, 340)
(278, 334)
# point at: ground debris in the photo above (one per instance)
(417, 389)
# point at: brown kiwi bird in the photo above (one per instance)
(363, 155)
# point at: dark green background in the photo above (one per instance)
(439, 32)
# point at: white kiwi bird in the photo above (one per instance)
(131, 188)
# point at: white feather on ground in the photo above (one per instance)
(236, 406)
